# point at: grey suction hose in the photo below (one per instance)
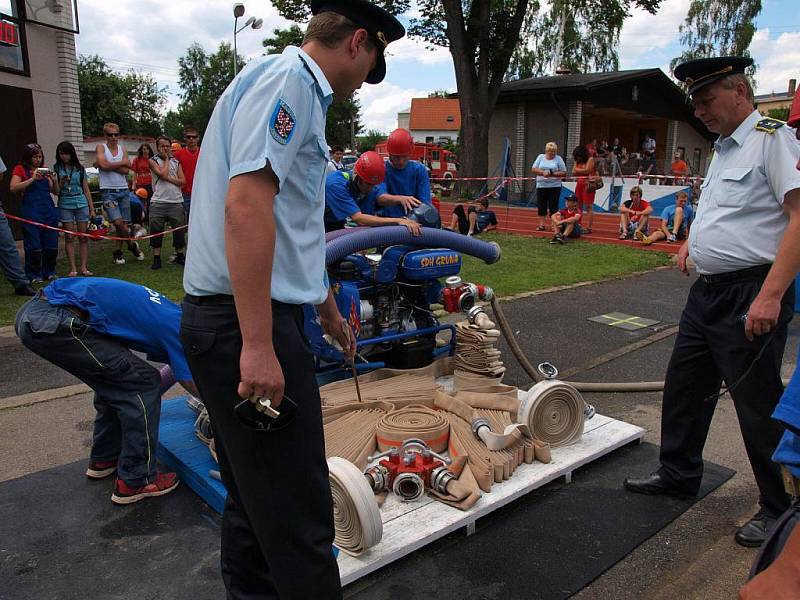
(369, 237)
(581, 386)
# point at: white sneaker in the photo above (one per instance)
(118, 258)
(173, 257)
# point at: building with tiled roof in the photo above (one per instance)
(432, 119)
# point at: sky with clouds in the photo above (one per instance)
(150, 35)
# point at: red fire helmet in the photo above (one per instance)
(400, 143)
(370, 168)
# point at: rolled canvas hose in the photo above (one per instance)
(356, 515)
(554, 412)
(413, 421)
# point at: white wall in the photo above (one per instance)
(419, 135)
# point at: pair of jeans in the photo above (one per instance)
(127, 389)
(277, 526)
(9, 255)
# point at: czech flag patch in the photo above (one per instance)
(282, 123)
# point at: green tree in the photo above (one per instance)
(482, 36)
(343, 119)
(579, 35)
(369, 140)
(782, 114)
(132, 100)
(718, 28)
(202, 78)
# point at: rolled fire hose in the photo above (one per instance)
(356, 516)
(413, 421)
(553, 412)
(480, 426)
(370, 237)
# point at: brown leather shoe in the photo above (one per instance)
(655, 485)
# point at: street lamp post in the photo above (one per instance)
(252, 22)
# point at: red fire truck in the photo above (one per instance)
(440, 162)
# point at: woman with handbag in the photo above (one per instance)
(585, 169)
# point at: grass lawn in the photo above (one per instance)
(168, 280)
(533, 263)
(527, 264)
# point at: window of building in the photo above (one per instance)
(12, 39)
(429, 139)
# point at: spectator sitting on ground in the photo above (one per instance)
(477, 219)
(567, 222)
(675, 221)
(633, 217)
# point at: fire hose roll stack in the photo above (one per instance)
(356, 515)
(554, 413)
(413, 421)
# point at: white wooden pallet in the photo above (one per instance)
(408, 526)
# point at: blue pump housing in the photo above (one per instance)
(423, 265)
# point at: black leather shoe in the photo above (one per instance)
(753, 533)
(655, 485)
(25, 290)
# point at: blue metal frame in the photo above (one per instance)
(331, 369)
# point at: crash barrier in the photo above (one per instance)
(370, 237)
(92, 235)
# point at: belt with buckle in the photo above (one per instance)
(736, 276)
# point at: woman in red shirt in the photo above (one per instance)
(584, 169)
(143, 176)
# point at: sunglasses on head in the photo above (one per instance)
(33, 147)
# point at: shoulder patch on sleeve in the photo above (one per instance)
(769, 125)
(282, 123)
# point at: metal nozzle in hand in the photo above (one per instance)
(264, 405)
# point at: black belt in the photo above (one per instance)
(212, 299)
(114, 190)
(227, 299)
(730, 277)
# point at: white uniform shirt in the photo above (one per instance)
(273, 113)
(740, 219)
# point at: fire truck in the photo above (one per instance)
(440, 162)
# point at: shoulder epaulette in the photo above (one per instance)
(769, 125)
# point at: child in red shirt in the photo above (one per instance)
(633, 216)
(567, 222)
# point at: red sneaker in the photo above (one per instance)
(164, 484)
(101, 468)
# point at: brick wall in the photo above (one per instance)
(68, 83)
(574, 134)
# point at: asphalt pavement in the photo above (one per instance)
(694, 557)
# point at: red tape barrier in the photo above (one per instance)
(639, 176)
(89, 234)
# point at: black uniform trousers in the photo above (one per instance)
(277, 526)
(710, 348)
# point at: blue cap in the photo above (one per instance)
(379, 23)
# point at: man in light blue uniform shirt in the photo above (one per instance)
(407, 182)
(745, 244)
(89, 326)
(258, 256)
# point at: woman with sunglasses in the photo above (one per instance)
(35, 183)
(74, 205)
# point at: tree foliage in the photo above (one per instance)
(718, 28)
(581, 35)
(132, 100)
(202, 77)
(483, 35)
(369, 140)
(343, 119)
